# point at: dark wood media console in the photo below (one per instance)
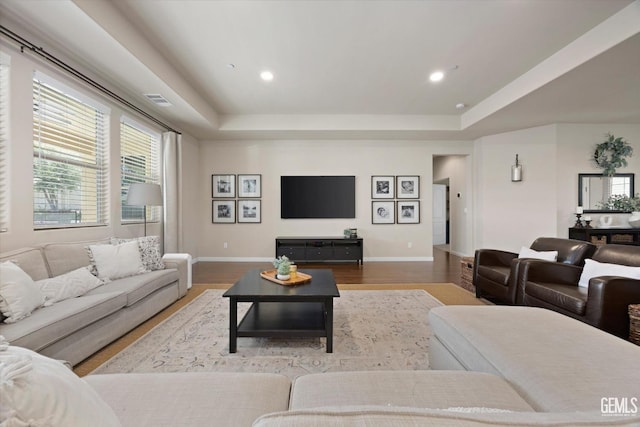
(320, 249)
(601, 236)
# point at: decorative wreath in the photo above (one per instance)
(611, 154)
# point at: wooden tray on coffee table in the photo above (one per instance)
(271, 276)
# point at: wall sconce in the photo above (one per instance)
(516, 171)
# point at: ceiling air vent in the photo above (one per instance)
(158, 99)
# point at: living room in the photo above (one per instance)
(550, 110)
(489, 212)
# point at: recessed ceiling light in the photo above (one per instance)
(436, 76)
(266, 75)
(460, 106)
(231, 66)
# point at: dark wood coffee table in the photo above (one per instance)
(304, 310)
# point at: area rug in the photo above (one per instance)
(372, 330)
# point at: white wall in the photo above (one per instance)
(363, 159)
(576, 144)
(457, 169)
(510, 215)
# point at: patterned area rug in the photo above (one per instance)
(372, 330)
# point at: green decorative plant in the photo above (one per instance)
(283, 264)
(622, 203)
(611, 154)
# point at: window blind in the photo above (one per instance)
(4, 143)
(70, 169)
(139, 163)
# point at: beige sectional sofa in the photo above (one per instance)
(75, 328)
(491, 366)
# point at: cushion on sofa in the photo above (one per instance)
(19, 295)
(116, 261)
(192, 399)
(138, 287)
(65, 257)
(595, 269)
(421, 389)
(543, 255)
(69, 285)
(553, 361)
(38, 391)
(30, 260)
(49, 324)
(150, 252)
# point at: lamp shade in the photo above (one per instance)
(144, 195)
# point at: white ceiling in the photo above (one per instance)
(355, 68)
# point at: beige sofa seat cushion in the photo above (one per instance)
(65, 257)
(192, 399)
(420, 389)
(555, 362)
(49, 324)
(30, 260)
(139, 286)
(410, 417)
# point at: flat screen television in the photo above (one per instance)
(317, 197)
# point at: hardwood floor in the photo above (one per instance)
(444, 269)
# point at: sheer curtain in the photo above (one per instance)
(172, 172)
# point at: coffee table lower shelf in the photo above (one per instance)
(286, 319)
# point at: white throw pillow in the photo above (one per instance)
(596, 269)
(544, 255)
(117, 261)
(19, 295)
(149, 251)
(69, 285)
(38, 391)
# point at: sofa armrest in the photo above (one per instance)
(494, 257)
(181, 262)
(608, 303)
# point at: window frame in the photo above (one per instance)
(70, 136)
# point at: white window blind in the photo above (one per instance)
(4, 143)
(70, 168)
(139, 163)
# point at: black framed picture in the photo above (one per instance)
(249, 211)
(223, 186)
(249, 185)
(408, 212)
(223, 211)
(408, 187)
(382, 187)
(383, 212)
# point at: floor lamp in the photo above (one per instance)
(144, 195)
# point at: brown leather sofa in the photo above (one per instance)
(495, 272)
(604, 304)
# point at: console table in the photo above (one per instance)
(320, 249)
(602, 236)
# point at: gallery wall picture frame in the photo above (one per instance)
(249, 211)
(383, 212)
(223, 211)
(408, 187)
(382, 187)
(223, 186)
(250, 185)
(408, 212)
